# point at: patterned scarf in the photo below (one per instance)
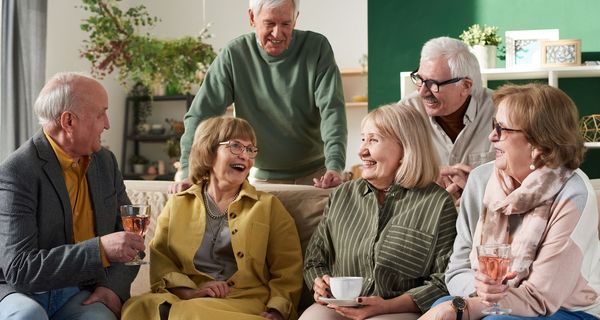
(533, 200)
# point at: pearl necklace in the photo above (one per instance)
(212, 209)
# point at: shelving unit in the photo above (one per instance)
(592, 145)
(130, 137)
(354, 81)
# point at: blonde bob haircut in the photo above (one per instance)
(207, 137)
(419, 165)
(549, 119)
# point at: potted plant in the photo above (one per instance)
(138, 163)
(173, 149)
(142, 107)
(115, 43)
(483, 42)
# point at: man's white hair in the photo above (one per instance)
(257, 5)
(58, 96)
(461, 61)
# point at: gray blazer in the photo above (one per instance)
(37, 252)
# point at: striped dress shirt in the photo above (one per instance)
(401, 246)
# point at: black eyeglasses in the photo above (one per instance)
(432, 85)
(496, 126)
(237, 148)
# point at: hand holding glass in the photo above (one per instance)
(136, 218)
(494, 261)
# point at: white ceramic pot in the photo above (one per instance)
(139, 168)
(486, 55)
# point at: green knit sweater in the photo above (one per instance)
(294, 101)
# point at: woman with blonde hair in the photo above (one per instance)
(222, 249)
(394, 226)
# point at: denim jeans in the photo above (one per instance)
(561, 314)
(59, 304)
(55, 299)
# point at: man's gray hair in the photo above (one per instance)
(461, 61)
(58, 96)
(257, 5)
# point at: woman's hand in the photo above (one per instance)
(371, 306)
(213, 289)
(491, 291)
(321, 289)
(272, 314)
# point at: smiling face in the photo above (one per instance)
(380, 156)
(514, 154)
(450, 97)
(274, 27)
(231, 169)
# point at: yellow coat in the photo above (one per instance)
(267, 250)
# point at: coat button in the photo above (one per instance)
(231, 283)
(240, 254)
(232, 215)
(234, 231)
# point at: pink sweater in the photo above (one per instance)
(566, 271)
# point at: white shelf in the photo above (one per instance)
(550, 73)
(357, 104)
(520, 73)
(592, 145)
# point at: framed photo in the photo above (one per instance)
(561, 52)
(523, 47)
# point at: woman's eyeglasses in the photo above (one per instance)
(496, 126)
(237, 148)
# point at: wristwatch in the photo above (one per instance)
(459, 305)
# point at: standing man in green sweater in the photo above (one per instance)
(286, 83)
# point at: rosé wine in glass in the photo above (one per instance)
(136, 218)
(494, 261)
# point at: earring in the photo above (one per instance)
(532, 167)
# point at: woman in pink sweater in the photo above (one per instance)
(534, 198)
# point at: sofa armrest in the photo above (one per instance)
(596, 186)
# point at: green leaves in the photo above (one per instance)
(116, 43)
(476, 35)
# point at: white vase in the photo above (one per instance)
(486, 55)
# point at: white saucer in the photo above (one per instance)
(340, 302)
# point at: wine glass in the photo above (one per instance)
(494, 261)
(136, 218)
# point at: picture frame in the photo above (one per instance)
(523, 47)
(561, 52)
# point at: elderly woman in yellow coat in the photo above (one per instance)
(222, 249)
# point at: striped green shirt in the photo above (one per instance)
(402, 246)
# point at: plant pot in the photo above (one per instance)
(486, 55)
(139, 168)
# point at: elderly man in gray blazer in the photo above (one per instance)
(62, 244)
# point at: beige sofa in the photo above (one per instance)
(305, 203)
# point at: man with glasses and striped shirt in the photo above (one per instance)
(459, 108)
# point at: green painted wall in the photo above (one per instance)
(398, 29)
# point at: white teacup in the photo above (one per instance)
(345, 288)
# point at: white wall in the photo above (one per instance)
(343, 22)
